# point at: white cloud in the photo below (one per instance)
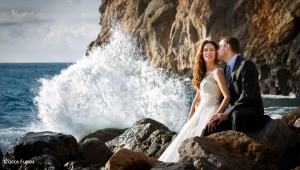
(14, 17)
(89, 15)
(47, 31)
(76, 30)
(70, 41)
(4, 34)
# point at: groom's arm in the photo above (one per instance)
(249, 83)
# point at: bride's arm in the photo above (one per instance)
(220, 78)
(196, 100)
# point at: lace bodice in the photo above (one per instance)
(210, 92)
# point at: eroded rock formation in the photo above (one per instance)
(170, 31)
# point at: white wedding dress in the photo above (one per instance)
(211, 98)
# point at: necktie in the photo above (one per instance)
(228, 75)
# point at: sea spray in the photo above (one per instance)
(111, 88)
(9, 135)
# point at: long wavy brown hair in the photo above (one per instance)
(199, 68)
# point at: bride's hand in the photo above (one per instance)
(219, 117)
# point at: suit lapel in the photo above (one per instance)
(235, 67)
(224, 70)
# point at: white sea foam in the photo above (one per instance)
(7, 136)
(277, 112)
(112, 87)
(279, 96)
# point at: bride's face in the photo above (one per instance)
(209, 52)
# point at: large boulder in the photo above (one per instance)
(228, 150)
(170, 32)
(60, 146)
(127, 160)
(155, 124)
(93, 151)
(291, 117)
(285, 142)
(173, 166)
(104, 134)
(157, 143)
(133, 137)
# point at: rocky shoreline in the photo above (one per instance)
(169, 32)
(275, 146)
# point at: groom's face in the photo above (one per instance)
(222, 50)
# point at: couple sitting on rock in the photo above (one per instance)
(226, 99)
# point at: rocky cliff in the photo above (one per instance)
(170, 31)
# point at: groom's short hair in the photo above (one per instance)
(233, 42)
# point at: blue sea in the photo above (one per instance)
(110, 88)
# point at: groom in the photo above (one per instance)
(246, 108)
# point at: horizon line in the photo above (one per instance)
(37, 62)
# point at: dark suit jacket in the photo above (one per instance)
(244, 87)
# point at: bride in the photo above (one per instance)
(212, 97)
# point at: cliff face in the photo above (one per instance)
(170, 31)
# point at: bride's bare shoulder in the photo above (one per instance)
(219, 73)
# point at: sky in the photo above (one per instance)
(47, 30)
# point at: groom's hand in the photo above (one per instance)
(219, 117)
(211, 126)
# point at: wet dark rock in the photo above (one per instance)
(265, 90)
(73, 165)
(104, 134)
(276, 135)
(93, 151)
(282, 139)
(173, 166)
(291, 117)
(275, 91)
(41, 162)
(154, 123)
(60, 146)
(157, 143)
(133, 137)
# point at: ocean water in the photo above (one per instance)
(113, 87)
